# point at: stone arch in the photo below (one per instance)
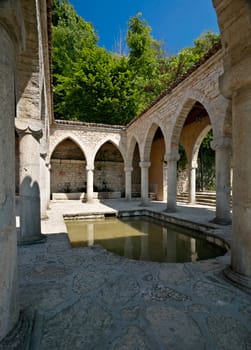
(154, 152)
(68, 168)
(197, 144)
(109, 176)
(130, 151)
(65, 137)
(149, 139)
(114, 141)
(191, 97)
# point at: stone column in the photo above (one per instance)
(9, 308)
(172, 157)
(128, 182)
(89, 189)
(240, 270)
(165, 172)
(30, 210)
(222, 148)
(235, 84)
(144, 182)
(192, 183)
(43, 186)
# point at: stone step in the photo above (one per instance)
(203, 198)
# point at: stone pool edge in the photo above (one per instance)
(212, 232)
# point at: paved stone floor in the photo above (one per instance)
(88, 298)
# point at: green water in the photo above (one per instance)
(142, 238)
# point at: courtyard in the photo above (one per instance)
(88, 298)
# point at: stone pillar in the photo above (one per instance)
(30, 209)
(9, 308)
(89, 189)
(240, 270)
(192, 183)
(128, 182)
(172, 157)
(222, 148)
(44, 186)
(165, 172)
(235, 84)
(144, 182)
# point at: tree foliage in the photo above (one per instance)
(94, 85)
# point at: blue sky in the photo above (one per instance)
(176, 22)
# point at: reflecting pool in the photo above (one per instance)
(143, 238)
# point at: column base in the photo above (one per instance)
(238, 280)
(221, 221)
(170, 210)
(91, 201)
(20, 336)
(32, 240)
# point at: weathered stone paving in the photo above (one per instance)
(88, 298)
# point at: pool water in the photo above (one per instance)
(143, 238)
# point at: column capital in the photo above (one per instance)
(145, 164)
(128, 169)
(220, 142)
(89, 168)
(26, 127)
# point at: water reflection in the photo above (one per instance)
(142, 238)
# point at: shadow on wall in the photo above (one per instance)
(29, 208)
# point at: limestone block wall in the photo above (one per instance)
(89, 137)
(68, 175)
(109, 176)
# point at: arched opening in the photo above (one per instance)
(136, 173)
(68, 173)
(195, 139)
(109, 177)
(205, 175)
(156, 187)
(182, 172)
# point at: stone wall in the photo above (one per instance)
(170, 111)
(68, 176)
(168, 114)
(109, 176)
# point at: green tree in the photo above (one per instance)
(180, 63)
(145, 54)
(99, 89)
(94, 85)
